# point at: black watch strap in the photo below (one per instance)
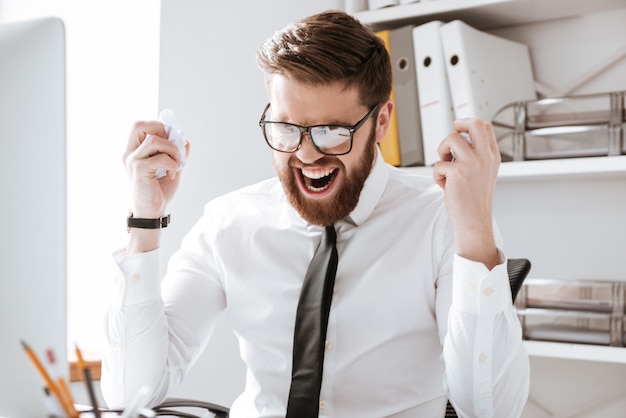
(147, 223)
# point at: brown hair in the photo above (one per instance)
(326, 48)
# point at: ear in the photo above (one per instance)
(384, 119)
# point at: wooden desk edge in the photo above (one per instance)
(93, 365)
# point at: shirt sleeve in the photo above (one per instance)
(156, 330)
(487, 367)
(135, 329)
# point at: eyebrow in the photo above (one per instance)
(334, 123)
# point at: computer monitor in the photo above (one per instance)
(32, 209)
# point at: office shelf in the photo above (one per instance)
(613, 166)
(483, 14)
(576, 351)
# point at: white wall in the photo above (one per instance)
(566, 51)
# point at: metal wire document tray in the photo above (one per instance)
(576, 126)
(574, 311)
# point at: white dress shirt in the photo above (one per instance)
(411, 323)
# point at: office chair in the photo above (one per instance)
(517, 268)
(176, 407)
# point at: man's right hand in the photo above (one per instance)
(148, 150)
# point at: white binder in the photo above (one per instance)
(407, 101)
(485, 71)
(436, 112)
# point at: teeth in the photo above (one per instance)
(317, 180)
(316, 174)
(317, 189)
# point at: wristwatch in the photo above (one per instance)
(147, 223)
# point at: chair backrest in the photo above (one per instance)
(518, 269)
(188, 408)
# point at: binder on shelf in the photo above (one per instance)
(407, 102)
(436, 111)
(485, 71)
(356, 6)
(390, 145)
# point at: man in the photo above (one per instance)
(421, 306)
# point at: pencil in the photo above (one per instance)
(54, 407)
(68, 408)
(64, 389)
(88, 382)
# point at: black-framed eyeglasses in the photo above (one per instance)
(327, 139)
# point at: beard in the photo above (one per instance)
(343, 199)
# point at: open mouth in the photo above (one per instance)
(316, 181)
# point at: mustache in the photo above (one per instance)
(327, 161)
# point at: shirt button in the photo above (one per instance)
(135, 278)
(469, 287)
(327, 345)
(482, 358)
(488, 291)
(322, 404)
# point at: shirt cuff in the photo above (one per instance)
(137, 277)
(478, 291)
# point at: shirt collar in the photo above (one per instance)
(372, 191)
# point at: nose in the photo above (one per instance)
(307, 153)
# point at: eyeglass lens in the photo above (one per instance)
(286, 137)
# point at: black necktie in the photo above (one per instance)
(310, 330)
